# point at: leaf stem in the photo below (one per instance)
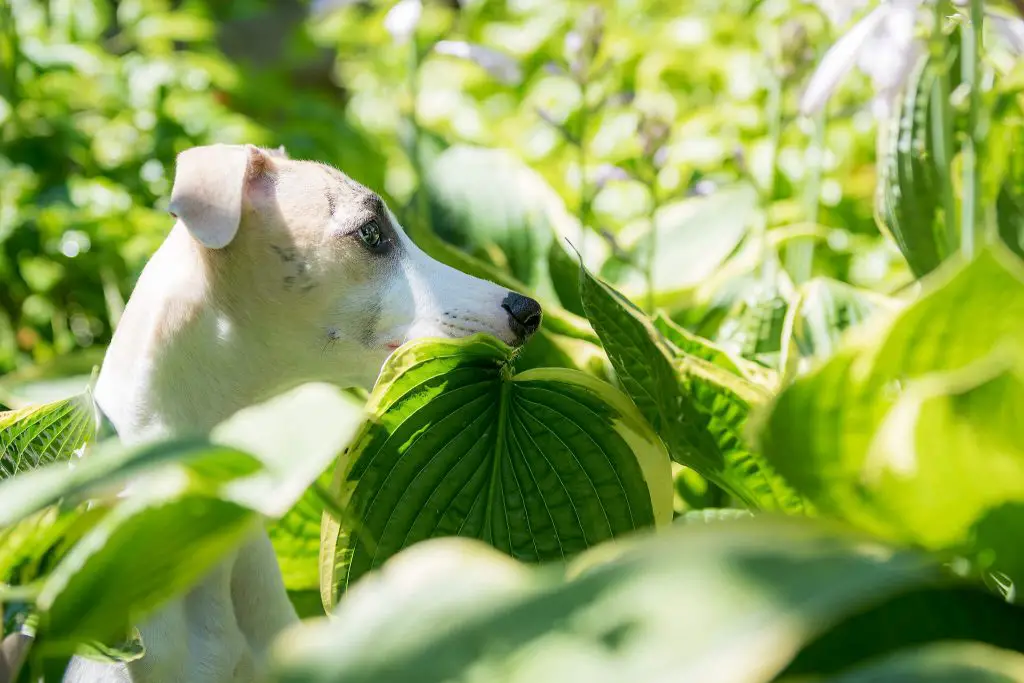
(970, 73)
(652, 245)
(941, 121)
(422, 204)
(800, 253)
(581, 149)
(767, 194)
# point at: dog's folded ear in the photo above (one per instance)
(209, 187)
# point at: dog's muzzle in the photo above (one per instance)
(524, 315)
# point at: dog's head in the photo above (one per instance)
(317, 266)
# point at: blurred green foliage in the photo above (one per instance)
(98, 96)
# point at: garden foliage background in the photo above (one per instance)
(99, 96)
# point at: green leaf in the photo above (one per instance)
(942, 663)
(296, 541)
(711, 516)
(909, 195)
(823, 310)
(296, 436)
(35, 436)
(32, 545)
(565, 277)
(929, 402)
(694, 236)
(541, 465)
(699, 409)
(156, 544)
(482, 198)
(726, 603)
(925, 614)
(1009, 201)
(687, 343)
(103, 474)
(128, 649)
(753, 327)
(63, 377)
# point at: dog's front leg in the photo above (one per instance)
(261, 603)
(196, 639)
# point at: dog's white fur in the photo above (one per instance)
(263, 283)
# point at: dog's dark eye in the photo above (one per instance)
(370, 234)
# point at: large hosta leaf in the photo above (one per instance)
(729, 602)
(38, 435)
(699, 408)
(931, 402)
(542, 465)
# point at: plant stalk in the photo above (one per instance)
(941, 122)
(767, 195)
(800, 253)
(971, 227)
(422, 204)
(652, 244)
(586, 199)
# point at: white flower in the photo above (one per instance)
(885, 46)
(401, 20)
(499, 65)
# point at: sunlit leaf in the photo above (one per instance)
(154, 545)
(753, 326)
(910, 188)
(296, 436)
(481, 198)
(821, 313)
(694, 237)
(730, 602)
(541, 465)
(43, 434)
(712, 516)
(929, 402)
(698, 408)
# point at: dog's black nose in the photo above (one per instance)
(524, 314)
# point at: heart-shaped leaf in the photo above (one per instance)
(542, 465)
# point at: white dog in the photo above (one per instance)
(277, 272)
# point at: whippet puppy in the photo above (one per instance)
(276, 272)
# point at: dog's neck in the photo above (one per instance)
(177, 363)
